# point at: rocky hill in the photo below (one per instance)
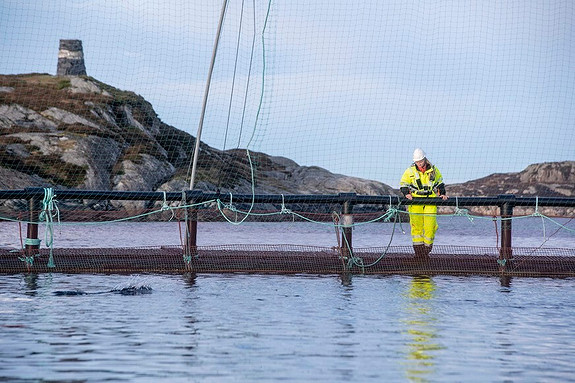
(77, 132)
(549, 179)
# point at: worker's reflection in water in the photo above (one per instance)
(420, 324)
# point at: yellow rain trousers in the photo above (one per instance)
(423, 222)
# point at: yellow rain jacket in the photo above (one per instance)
(422, 218)
(422, 184)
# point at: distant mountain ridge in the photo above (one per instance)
(101, 138)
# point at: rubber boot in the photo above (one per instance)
(419, 251)
(427, 250)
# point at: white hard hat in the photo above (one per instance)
(418, 155)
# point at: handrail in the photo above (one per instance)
(200, 196)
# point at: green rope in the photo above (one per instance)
(166, 206)
(32, 241)
(284, 209)
(358, 261)
(29, 260)
(354, 260)
(49, 211)
(462, 212)
(188, 260)
(263, 74)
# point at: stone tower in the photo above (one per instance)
(71, 58)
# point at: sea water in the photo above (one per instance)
(289, 328)
(238, 327)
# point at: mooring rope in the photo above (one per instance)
(358, 261)
(462, 212)
(49, 211)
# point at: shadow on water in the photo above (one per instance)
(31, 282)
(189, 279)
(345, 279)
(420, 323)
(505, 281)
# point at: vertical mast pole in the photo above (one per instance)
(206, 93)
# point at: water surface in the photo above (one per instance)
(224, 328)
(239, 327)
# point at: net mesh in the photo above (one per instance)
(304, 98)
(294, 259)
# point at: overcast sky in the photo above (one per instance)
(482, 86)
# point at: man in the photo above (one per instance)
(422, 180)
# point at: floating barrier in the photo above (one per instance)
(294, 259)
(344, 258)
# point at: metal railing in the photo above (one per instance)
(506, 203)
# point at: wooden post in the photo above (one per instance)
(192, 230)
(347, 224)
(32, 243)
(506, 251)
(190, 241)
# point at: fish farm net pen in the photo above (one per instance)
(47, 208)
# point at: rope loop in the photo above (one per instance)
(165, 205)
(357, 261)
(32, 241)
(284, 210)
(29, 260)
(461, 212)
(230, 206)
(188, 260)
(536, 212)
(49, 205)
(390, 213)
